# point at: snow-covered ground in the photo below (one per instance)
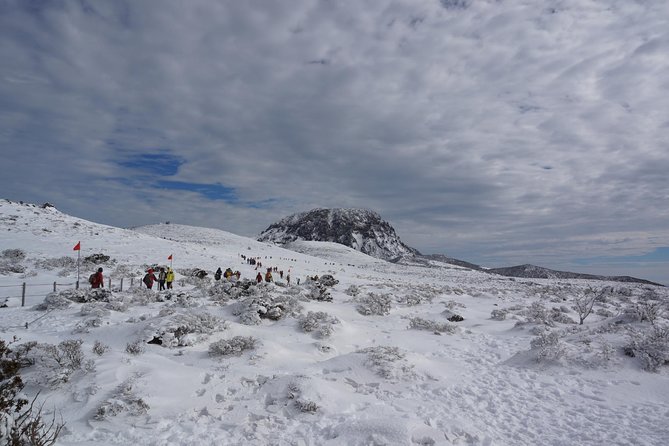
(378, 364)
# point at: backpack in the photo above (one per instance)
(146, 280)
(91, 279)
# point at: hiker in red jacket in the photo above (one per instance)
(149, 278)
(98, 281)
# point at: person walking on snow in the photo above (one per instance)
(169, 278)
(162, 275)
(259, 278)
(217, 274)
(98, 280)
(149, 278)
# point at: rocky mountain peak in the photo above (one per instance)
(360, 229)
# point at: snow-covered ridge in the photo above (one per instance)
(360, 229)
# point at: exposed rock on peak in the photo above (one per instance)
(360, 229)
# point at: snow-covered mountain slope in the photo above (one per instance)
(377, 358)
(360, 229)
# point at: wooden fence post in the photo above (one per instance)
(23, 295)
(109, 284)
(54, 287)
(121, 284)
(132, 279)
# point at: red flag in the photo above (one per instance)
(77, 247)
(170, 257)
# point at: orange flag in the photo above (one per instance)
(170, 257)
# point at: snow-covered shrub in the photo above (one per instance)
(97, 259)
(498, 314)
(21, 421)
(117, 305)
(451, 304)
(234, 346)
(124, 400)
(548, 346)
(53, 301)
(411, 299)
(10, 261)
(328, 280)
(140, 295)
(13, 255)
(352, 291)
(134, 348)
(295, 394)
(649, 310)
(99, 348)
(65, 262)
(85, 295)
(85, 325)
(374, 304)
(185, 329)
(651, 347)
(537, 313)
(57, 363)
(388, 362)
(604, 312)
(557, 315)
(181, 299)
(253, 309)
(96, 309)
(319, 292)
(433, 326)
(451, 316)
(319, 322)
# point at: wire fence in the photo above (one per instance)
(27, 290)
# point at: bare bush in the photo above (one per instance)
(99, 348)
(583, 303)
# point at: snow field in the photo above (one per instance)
(372, 381)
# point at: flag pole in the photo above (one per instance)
(77, 248)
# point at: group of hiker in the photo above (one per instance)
(269, 278)
(165, 278)
(166, 275)
(227, 274)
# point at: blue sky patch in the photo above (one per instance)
(161, 164)
(210, 191)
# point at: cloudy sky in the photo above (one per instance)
(495, 131)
